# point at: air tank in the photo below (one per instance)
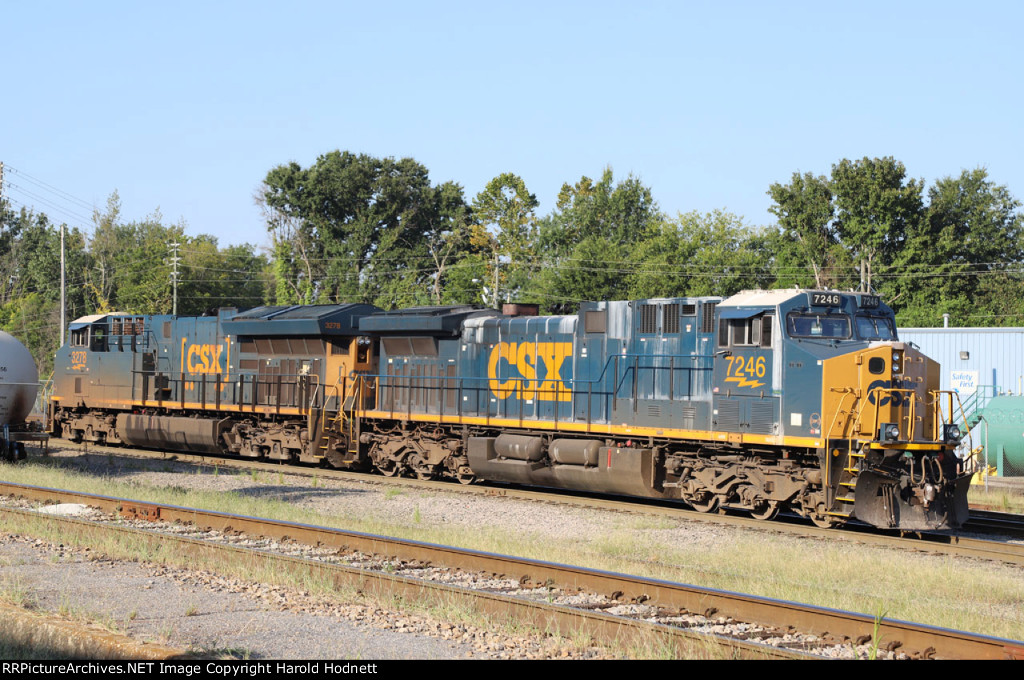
(1004, 434)
(19, 381)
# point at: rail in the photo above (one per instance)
(920, 640)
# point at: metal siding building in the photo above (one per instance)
(995, 355)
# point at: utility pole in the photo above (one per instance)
(496, 279)
(63, 286)
(174, 275)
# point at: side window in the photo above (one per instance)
(80, 337)
(754, 331)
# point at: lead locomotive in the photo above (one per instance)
(789, 399)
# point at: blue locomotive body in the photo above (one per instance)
(244, 383)
(764, 400)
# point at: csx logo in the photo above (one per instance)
(539, 366)
(882, 387)
(203, 359)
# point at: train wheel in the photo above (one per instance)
(824, 521)
(465, 476)
(765, 510)
(389, 469)
(705, 502)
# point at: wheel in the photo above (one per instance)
(706, 502)
(389, 469)
(765, 510)
(465, 476)
(824, 521)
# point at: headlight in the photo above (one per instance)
(951, 434)
(897, 362)
(889, 432)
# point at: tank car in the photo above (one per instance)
(19, 384)
(768, 400)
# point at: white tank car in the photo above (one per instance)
(19, 381)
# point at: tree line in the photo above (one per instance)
(355, 228)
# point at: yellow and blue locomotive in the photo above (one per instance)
(256, 384)
(768, 400)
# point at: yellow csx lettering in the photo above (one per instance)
(204, 359)
(524, 358)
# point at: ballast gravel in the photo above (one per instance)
(216, 616)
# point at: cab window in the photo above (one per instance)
(80, 337)
(828, 326)
(751, 332)
(98, 338)
(876, 328)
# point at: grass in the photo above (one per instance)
(15, 591)
(1000, 500)
(945, 591)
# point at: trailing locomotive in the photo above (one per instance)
(768, 400)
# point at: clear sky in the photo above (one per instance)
(185, 106)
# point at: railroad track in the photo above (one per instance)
(963, 544)
(993, 522)
(761, 619)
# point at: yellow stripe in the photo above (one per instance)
(910, 447)
(603, 428)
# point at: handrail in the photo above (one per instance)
(880, 393)
(559, 393)
(847, 391)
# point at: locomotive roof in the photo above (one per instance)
(424, 320)
(761, 298)
(342, 319)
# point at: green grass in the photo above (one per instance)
(945, 591)
(999, 500)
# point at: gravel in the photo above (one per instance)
(210, 614)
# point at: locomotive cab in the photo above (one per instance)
(827, 371)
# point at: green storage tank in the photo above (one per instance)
(1005, 435)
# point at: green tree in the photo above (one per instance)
(210, 277)
(589, 238)
(621, 213)
(876, 206)
(805, 210)
(701, 254)
(357, 228)
(507, 208)
(30, 291)
(963, 258)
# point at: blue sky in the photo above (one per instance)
(186, 106)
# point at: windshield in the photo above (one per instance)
(876, 328)
(831, 326)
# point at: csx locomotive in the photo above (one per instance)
(803, 400)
